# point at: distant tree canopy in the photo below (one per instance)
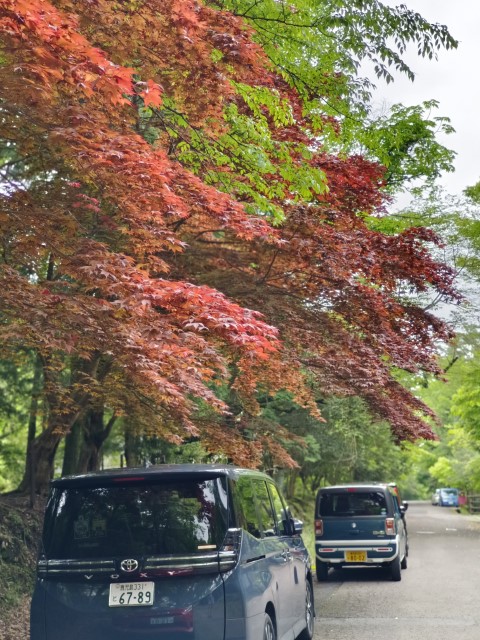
(183, 226)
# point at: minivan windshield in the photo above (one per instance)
(356, 503)
(136, 518)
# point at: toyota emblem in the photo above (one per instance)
(129, 565)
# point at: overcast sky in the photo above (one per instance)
(453, 80)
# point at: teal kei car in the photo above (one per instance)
(360, 525)
(179, 552)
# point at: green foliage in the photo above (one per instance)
(473, 193)
(460, 463)
(456, 223)
(415, 481)
(405, 141)
(443, 472)
(158, 451)
(15, 394)
(473, 471)
(319, 46)
(455, 459)
(348, 446)
(245, 160)
(466, 400)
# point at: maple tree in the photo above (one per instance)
(165, 181)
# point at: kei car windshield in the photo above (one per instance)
(136, 519)
(355, 503)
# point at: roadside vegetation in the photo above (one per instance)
(20, 528)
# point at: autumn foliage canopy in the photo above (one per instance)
(172, 219)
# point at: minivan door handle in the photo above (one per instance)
(286, 555)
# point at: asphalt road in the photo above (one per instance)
(438, 597)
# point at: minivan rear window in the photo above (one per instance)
(357, 503)
(136, 519)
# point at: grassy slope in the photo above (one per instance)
(20, 528)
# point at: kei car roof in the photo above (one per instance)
(345, 487)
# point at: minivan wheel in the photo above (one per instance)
(307, 633)
(268, 629)
(321, 571)
(396, 570)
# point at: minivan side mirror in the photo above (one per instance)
(296, 525)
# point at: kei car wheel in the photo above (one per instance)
(395, 569)
(307, 633)
(321, 571)
(404, 562)
(268, 629)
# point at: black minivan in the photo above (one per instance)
(203, 552)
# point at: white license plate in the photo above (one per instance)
(131, 594)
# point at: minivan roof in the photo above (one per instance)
(156, 471)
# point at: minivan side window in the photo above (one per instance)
(256, 514)
(280, 511)
(247, 513)
(267, 518)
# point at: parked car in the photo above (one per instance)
(360, 525)
(446, 497)
(179, 552)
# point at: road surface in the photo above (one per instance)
(438, 597)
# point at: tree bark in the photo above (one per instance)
(39, 472)
(32, 425)
(95, 432)
(73, 446)
(132, 457)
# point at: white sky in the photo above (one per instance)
(453, 80)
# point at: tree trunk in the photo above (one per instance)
(94, 432)
(32, 425)
(132, 457)
(73, 447)
(42, 457)
(39, 471)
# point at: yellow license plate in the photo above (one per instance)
(356, 556)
